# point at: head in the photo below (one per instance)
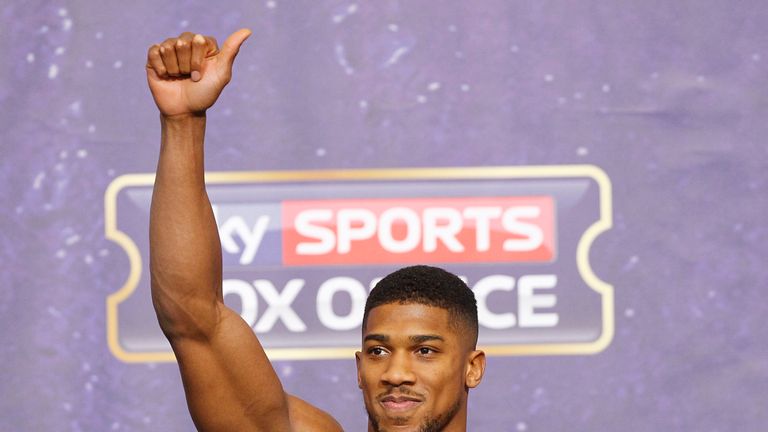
(419, 356)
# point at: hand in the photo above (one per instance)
(186, 74)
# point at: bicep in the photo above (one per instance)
(228, 379)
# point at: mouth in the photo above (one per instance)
(400, 403)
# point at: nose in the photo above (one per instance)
(398, 371)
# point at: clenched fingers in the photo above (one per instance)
(155, 61)
(202, 47)
(182, 56)
(183, 48)
(168, 54)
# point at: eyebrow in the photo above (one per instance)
(425, 338)
(416, 339)
(376, 337)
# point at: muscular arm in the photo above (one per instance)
(228, 379)
(229, 382)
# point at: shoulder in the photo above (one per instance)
(308, 418)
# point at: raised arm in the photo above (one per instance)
(228, 380)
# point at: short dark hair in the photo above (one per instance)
(430, 286)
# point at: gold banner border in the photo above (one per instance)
(604, 223)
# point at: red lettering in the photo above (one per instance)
(418, 230)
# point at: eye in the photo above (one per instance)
(377, 352)
(425, 351)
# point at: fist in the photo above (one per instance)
(186, 74)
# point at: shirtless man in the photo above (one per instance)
(418, 358)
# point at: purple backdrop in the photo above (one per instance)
(668, 98)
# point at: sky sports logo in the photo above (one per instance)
(404, 231)
(301, 251)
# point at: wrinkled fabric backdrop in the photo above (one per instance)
(667, 98)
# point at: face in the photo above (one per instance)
(415, 370)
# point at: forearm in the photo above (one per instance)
(185, 252)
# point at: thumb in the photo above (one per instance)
(232, 45)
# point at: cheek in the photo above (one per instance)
(368, 376)
(445, 379)
(369, 389)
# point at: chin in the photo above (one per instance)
(384, 423)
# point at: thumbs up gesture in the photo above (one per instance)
(187, 74)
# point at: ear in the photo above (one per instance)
(475, 368)
(357, 363)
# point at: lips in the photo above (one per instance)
(399, 402)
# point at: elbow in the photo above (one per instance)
(182, 317)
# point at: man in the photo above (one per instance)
(418, 359)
